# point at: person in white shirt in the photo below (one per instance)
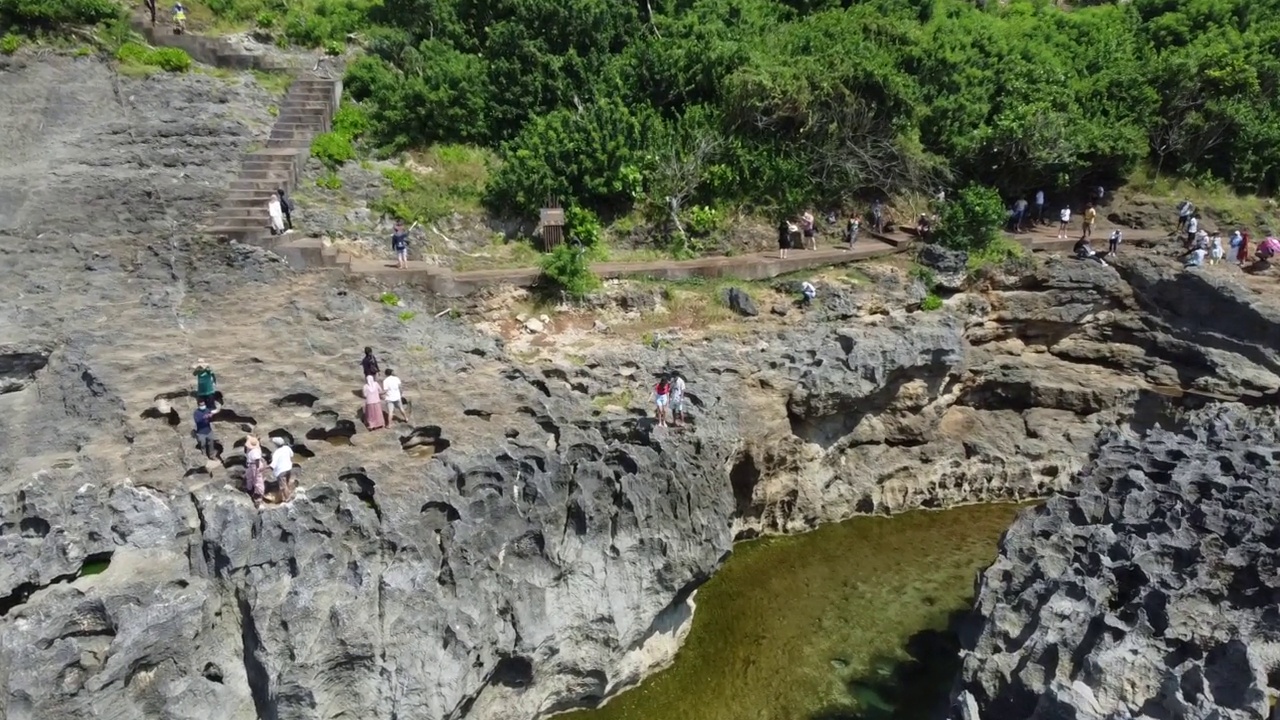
(677, 399)
(1064, 220)
(282, 468)
(1193, 229)
(807, 293)
(395, 400)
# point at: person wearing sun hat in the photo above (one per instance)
(253, 469)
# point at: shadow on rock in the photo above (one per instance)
(911, 689)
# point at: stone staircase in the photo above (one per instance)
(307, 111)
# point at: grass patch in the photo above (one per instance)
(389, 299)
(276, 83)
(435, 183)
(501, 254)
(1000, 253)
(10, 43)
(136, 57)
(621, 399)
(1210, 195)
(407, 315)
(931, 302)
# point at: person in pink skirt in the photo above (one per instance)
(373, 404)
(254, 465)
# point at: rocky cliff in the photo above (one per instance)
(530, 542)
(1150, 590)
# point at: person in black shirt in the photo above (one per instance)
(400, 243)
(204, 431)
(369, 363)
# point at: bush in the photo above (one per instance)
(931, 302)
(999, 253)
(10, 43)
(583, 226)
(167, 59)
(704, 220)
(49, 13)
(972, 219)
(351, 120)
(565, 270)
(333, 149)
(329, 181)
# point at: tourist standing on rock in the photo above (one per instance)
(1192, 227)
(784, 238)
(286, 207)
(204, 431)
(1039, 208)
(400, 243)
(677, 399)
(1064, 220)
(151, 8)
(851, 231)
(1185, 209)
(395, 400)
(282, 468)
(369, 363)
(373, 404)
(661, 394)
(254, 467)
(1216, 251)
(276, 214)
(877, 216)
(206, 384)
(1242, 254)
(179, 18)
(810, 231)
(1113, 244)
(1090, 217)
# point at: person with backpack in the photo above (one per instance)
(369, 363)
(400, 243)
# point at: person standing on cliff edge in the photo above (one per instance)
(369, 363)
(206, 384)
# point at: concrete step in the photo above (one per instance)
(260, 186)
(267, 167)
(242, 223)
(291, 104)
(258, 215)
(289, 143)
(265, 175)
(236, 233)
(295, 125)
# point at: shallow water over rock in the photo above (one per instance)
(848, 622)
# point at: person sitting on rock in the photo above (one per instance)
(282, 468)
(661, 394)
(1084, 251)
(1195, 258)
(206, 384)
(807, 293)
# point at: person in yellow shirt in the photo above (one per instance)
(1090, 215)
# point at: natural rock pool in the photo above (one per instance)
(848, 622)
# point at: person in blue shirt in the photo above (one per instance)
(400, 243)
(204, 431)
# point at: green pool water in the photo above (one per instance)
(849, 622)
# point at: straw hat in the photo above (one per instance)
(250, 441)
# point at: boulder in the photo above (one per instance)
(740, 302)
(950, 267)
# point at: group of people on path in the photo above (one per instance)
(280, 210)
(381, 402)
(255, 464)
(669, 393)
(801, 231)
(1207, 248)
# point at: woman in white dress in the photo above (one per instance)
(277, 216)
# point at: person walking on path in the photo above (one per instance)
(400, 243)
(392, 393)
(1113, 243)
(286, 207)
(677, 399)
(373, 404)
(1019, 214)
(1039, 208)
(276, 214)
(204, 431)
(1064, 220)
(206, 384)
(877, 216)
(851, 231)
(282, 468)
(254, 468)
(369, 363)
(1090, 217)
(810, 231)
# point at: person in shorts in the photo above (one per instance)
(1064, 220)
(282, 468)
(391, 394)
(677, 400)
(1090, 217)
(661, 393)
(400, 243)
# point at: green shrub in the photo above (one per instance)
(165, 58)
(334, 48)
(10, 43)
(333, 149)
(407, 315)
(998, 253)
(565, 270)
(266, 19)
(972, 219)
(931, 302)
(351, 120)
(583, 226)
(329, 181)
(704, 220)
(925, 276)
(401, 180)
(389, 299)
(51, 13)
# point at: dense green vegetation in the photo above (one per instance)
(672, 104)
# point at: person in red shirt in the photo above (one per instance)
(662, 393)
